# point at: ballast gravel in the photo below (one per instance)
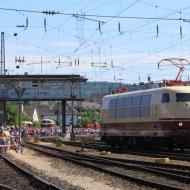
(68, 175)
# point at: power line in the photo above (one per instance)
(140, 26)
(154, 19)
(85, 16)
(51, 13)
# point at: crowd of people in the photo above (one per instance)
(9, 138)
(42, 131)
(56, 131)
(86, 131)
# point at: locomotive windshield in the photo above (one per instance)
(182, 97)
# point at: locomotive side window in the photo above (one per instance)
(119, 108)
(145, 100)
(165, 98)
(112, 104)
(182, 97)
(120, 102)
(145, 105)
(128, 101)
(127, 107)
(136, 100)
(136, 106)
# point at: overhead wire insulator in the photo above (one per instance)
(157, 30)
(50, 12)
(20, 26)
(181, 33)
(99, 26)
(27, 22)
(112, 63)
(26, 25)
(119, 28)
(75, 62)
(157, 27)
(45, 28)
(180, 29)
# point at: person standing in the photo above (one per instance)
(2, 140)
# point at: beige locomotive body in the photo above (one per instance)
(155, 115)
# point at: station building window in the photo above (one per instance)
(34, 83)
(165, 98)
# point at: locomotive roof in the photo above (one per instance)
(167, 88)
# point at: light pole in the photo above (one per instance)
(93, 118)
(72, 136)
(19, 119)
(57, 114)
(19, 91)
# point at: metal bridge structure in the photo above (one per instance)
(40, 88)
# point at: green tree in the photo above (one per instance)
(13, 114)
(37, 124)
(90, 116)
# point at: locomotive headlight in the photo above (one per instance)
(180, 124)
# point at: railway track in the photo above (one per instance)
(144, 173)
(181, 156)
(4, 187)
(34, 181)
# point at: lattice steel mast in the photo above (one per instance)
(2, 71)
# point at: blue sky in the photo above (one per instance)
(128, 55)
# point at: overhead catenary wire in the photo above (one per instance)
(109, 41)
(131, 5)
(125, 32)
(95, 15)
(51, 13)
(136, 27)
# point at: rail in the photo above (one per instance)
(101, 164)
(37, 181)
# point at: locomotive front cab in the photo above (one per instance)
(175, 105)
(175, 114)
(183, 110)
(183, 115)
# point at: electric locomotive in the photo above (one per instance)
(153, 117)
